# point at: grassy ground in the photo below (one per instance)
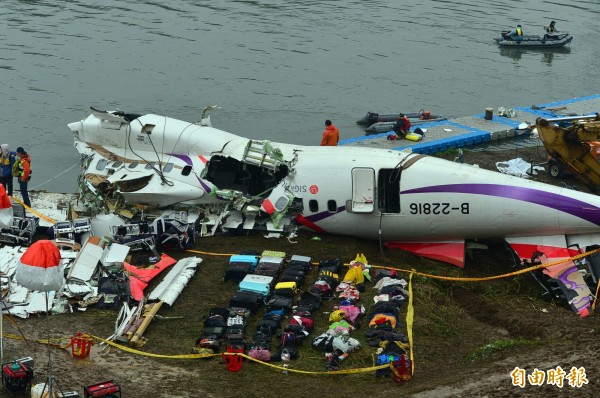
(467, 336)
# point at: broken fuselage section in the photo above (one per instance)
(151, 162)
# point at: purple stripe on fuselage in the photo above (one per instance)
(575, 207)
(188, 160)
(324, 214)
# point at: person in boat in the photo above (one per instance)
(331, 135)
(7, 161)
(22, 170)
(516, 34)
(402, 126)
(551, 31)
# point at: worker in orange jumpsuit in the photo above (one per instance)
(331, 135)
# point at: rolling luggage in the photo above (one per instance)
(301, 261)
(279, 303)
(269, 266)
(287, 289)
(293, 275)
(245, 299)
(257, 283)
(240, 266)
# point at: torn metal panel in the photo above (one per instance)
(38, 302)
(115, 254)
(85, 264)
(177, 278)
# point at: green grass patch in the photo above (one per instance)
(499, 345)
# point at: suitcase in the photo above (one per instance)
(269, 266)
(237, 271)
(271, 260)
(287, 289)
(303, 261)
(279, 303)
(291, 275)
(244, 258)
(257, 283)
(245, 299)
(272, 253)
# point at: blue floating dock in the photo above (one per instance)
(468, 131)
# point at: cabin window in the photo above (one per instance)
(186, 170)
(101, 165)
(150, 165)
(331, 206)
(168, 167)
(133, 165)
(116, 164)
(313, 205)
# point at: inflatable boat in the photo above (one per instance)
(372, 117)
(384, 127)
(555, 41)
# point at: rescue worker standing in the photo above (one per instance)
(331, 135)
(22, 170)
(7, 160)
(402, 126)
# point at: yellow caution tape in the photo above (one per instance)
(37, 213)
(410, 314)
(489, 278)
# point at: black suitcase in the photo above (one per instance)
(279, 303)
(293, 276)
(237, 271)
(267, 326)
(246, 299)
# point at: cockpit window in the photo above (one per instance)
(101, 165)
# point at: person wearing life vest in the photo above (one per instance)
(7, 161)
(331, 135)
(22, 170)
(551, 31)
(402, 126)
(516, 34)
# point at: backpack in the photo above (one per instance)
(310, 300)
(288, 339)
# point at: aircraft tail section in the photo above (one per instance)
(566, 279)
(452, 252)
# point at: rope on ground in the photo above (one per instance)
(37, 213)
(489, 278)
(209, 253)
(56, 176)
(410, 315)
(333, 372)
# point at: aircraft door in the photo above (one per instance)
(363, 190)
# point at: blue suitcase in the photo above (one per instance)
(257, 283)
(243, 258)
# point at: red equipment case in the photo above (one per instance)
(106, 389)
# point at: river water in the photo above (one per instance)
(276, 68)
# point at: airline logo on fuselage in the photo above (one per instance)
(300, 188)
